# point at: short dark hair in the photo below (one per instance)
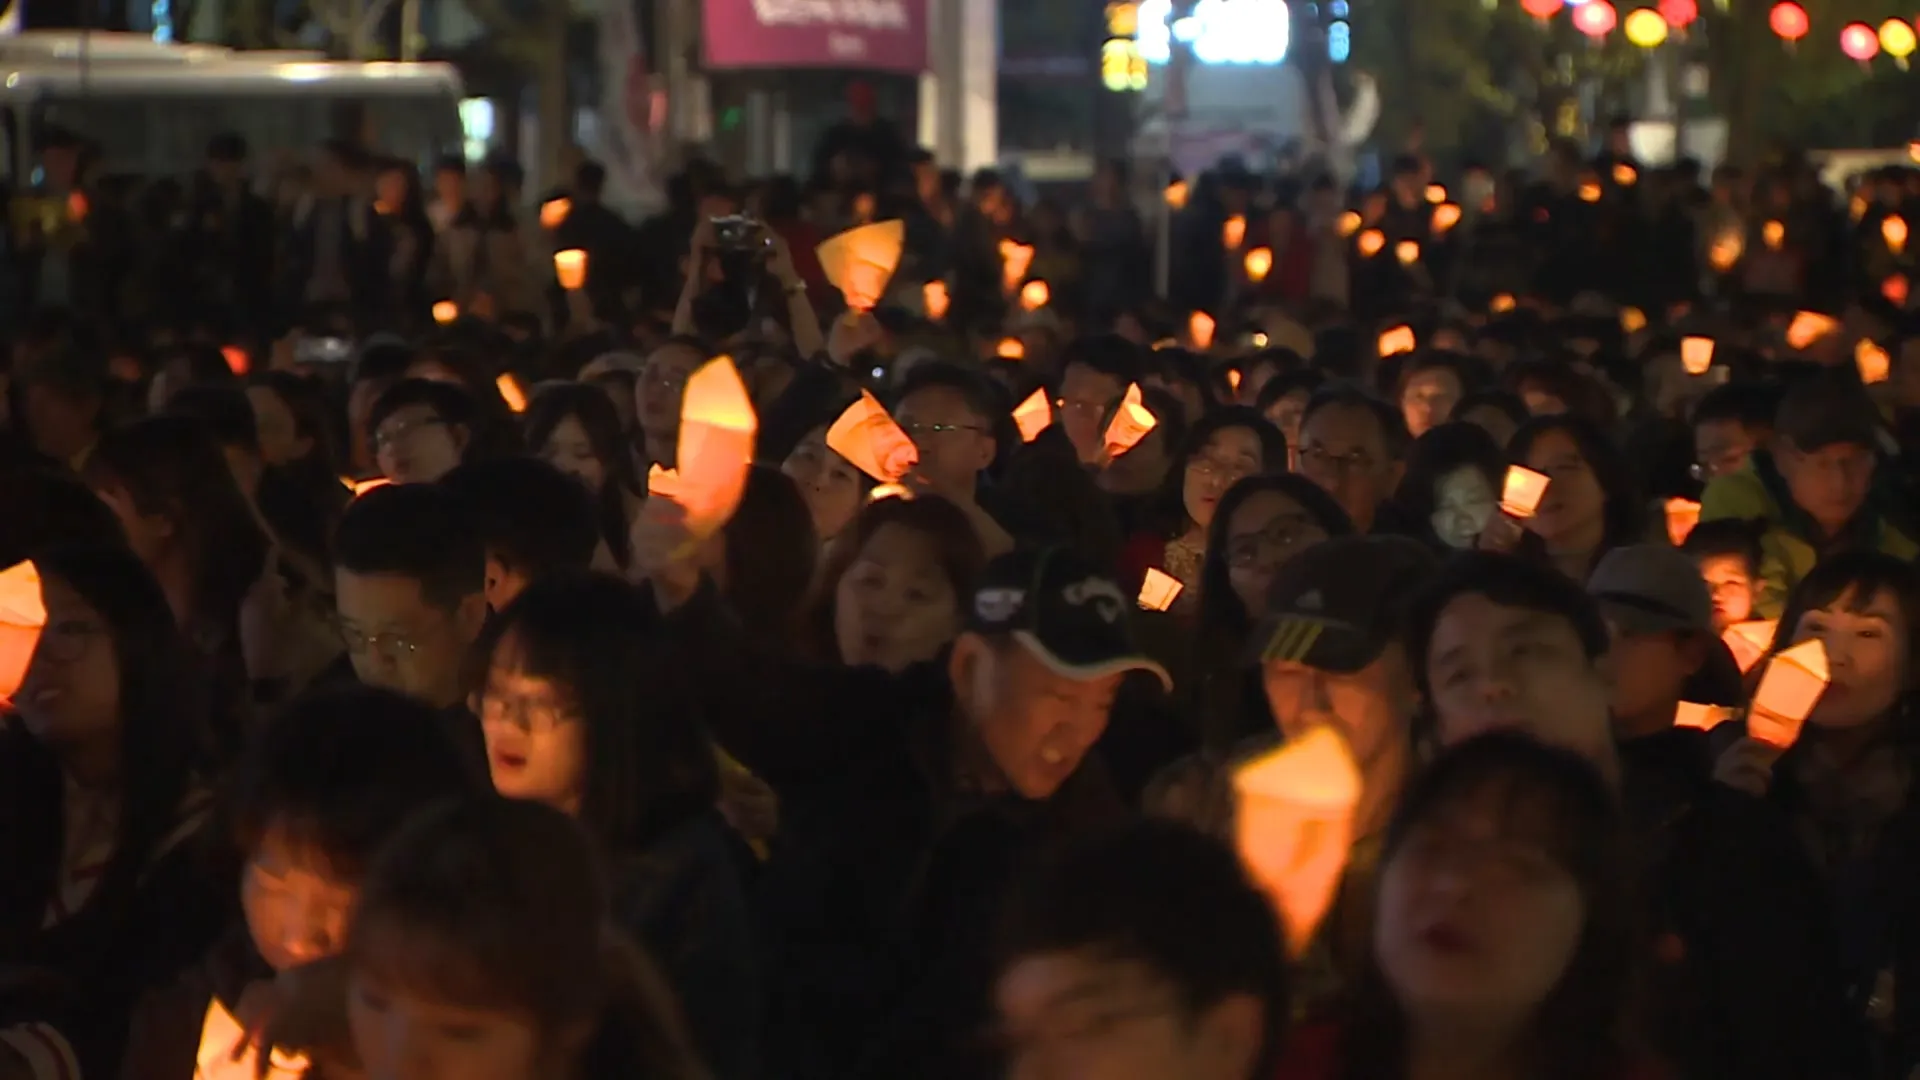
(1751, 405)
(223, 411)
(1823, 410)
(1728, 536)
(1393, 425)
(449, 401)
(1167, 897)
(338, 770)
(533, 518)
(417, 531)
(981, 395)
(1509, 582)
(1108, 354)
(590, 178)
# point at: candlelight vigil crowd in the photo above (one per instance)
(888, 625)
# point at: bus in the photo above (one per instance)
(148, 109)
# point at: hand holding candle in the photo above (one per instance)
(1200, 330)
(1130, 423)
(860, 262)
(1872, 361)
(1259, 263)
(715, 451)
(1015, 259)
(1808, 327)
(1293, 826)
(554, 212)
(1033, 415)
(1520, 495)
(934, 298)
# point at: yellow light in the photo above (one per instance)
(1775, 235)
(1897, 38)
(1436, 193)
(1234, 232)
(1259, 262)
(1894, 232)
(1632, 320)
(1646, 28)
(1445, 216)
(1726, 251)
(1624, 175)
(1349, 223)
(1177, 193)
(1407, 252)
(1371, 242)
(1123, 20)
(1118, 59)
(1590, 191)
(1502, 303)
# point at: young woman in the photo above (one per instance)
(481, 950)
(1224, 448)
(102, 807)
(835, 490)
(1504, 937)
(574, 427)
(1452, 485)
(1590, 506)
(583, 712)
(893, 589)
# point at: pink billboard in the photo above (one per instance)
(875, 35)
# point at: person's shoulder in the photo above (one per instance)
(1741, 495)
(1312, 1052)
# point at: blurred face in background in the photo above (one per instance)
(570, 450)
(1264, 531)
(1463, 503)
(415, 446)
(1831, 484)
(662, 387)
(280, 438)
(1086, 397)
(833, 488)
(955, 442)
(1429, 398)
(1344, 451)
(1230, 455)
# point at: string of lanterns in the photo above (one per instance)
(1649, 27)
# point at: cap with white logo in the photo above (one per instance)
(1067, 614)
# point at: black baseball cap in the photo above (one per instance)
(1066, 613)
(1655, 589)
(1338, 604)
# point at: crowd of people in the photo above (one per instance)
(380, 722)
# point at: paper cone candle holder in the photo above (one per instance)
(1398, 340)
(446, 312)
(1873, 362)
(554, 213)
(860, 262)
(1130, 423)
(1011, 348)
(237, 359)
(871, 442)
(715, 451)
(1407, 252)
(361, 487)
(1696, 354)
(1808, 327)
(1015, 259)
(1632, 320)
(1035, 295)
(1774, 235)
(934, 297)
(1520, 495)
(1894, 232)
(1436, 194)
(1159, 590)
(23, 616)
(1293, 826)
(570, 266)
(1692, 714)
(511, 392)
(1683, 516)
(1259, 263)
(1502, 303)
(1348, 223)
(1200, 329)
(1749, 641)
(1234, 232)
(1033, 415)
(1371, 243)
(1445, 217)
(1789, 689)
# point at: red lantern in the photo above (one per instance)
(1595, 18)
(1679, 13)
(1789, 20)
(1540, 9)
(1859, 41)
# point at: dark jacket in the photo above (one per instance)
(164, 1040)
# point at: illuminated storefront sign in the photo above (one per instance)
(1218, 31)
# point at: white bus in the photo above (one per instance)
(150, 108)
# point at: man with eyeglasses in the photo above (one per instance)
(1729, 424)
(409, 581)
(1353, 445)
(1094, 379)
(948, 413)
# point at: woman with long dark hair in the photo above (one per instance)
(1591, 506)
(574, 427)
(1451, 488)
(892, 591)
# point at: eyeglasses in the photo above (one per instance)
(1320, 458)
(65, 642)
(1274, 542)
(393, 434)
(1214, 469)
(1718, 466)
(914, 431)
(390, 648)
(1093, 408)
(533, 715)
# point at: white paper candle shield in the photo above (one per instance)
(1520, 495)
(570, 266)
(1696, 354)
(1130, 423)
(1033, 415)
(860, 261)
(872, 442)
(1159, 590)
(1749, 641)
(23, 615)
(220, 1033)
(1789, 689)
(1398, 340)
(1293, 826)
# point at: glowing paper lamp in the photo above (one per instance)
(1808, 327)
(1873, 362)
(511, 392)
(1407, 252)
(1159, 590)
(1749, 641)
(78, 207)
(715, 450)
(23, 615)
(1789, 689)
(1233, 379)
(1011, 348)
(861, 261)
(1696, 354)
(1897, 39)
(1446, 216)
(1540, 9)
(934, 297)
(220, 1034)
(554, 212)
(1789, 20)
(1632, 320)
(1259, 263)
(361, 487)
(1646, 28)
(1176, 195)
(1590, 189)
(1894, 231)
(1679, 13)
(445, 312)
(1349, 223)
(1033, 415)
(570, 266)
(1522, 491)
(1502, 303)
(1130, 423)
(1200, 328)
(1692, 714)
(1234, 232)
(237, 359)
(1371, 242)
(1774, 235)
(1913, 151)
(871, 442)
(1595, 18)
(1015, 258)
(1682, 517)
(1436, 193)
(1895, 289)
(1395, 341)
(1625, 175)
(1293, 826)
(1726, 251)
(1034, 295)
(1859, 41)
